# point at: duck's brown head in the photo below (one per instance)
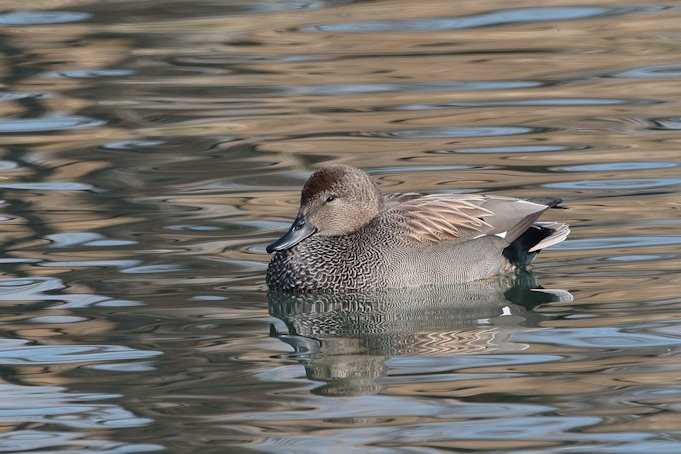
(336, 200)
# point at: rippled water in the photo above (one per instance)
(150, 150)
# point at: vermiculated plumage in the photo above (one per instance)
(409, 240)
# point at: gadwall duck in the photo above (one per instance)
(348, 236)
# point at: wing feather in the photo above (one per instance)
(442, 217)
(393, 199)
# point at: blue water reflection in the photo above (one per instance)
(48, 123)
(18, 18)
(492, 18)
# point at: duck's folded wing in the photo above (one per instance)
(512, 217)
(440, 217)
(443, 217)
(392, 199)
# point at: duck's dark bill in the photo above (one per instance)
(298, 232)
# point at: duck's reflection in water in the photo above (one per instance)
(345, 340)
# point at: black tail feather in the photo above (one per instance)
(518, 251)
(549, 202)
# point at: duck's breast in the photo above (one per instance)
(343, 263)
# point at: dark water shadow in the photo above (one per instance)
(345, 340)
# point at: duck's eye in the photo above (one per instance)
(330, 198)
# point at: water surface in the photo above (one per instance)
(150, 150)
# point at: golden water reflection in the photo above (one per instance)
(149, 150)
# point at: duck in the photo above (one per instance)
(349, 236)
